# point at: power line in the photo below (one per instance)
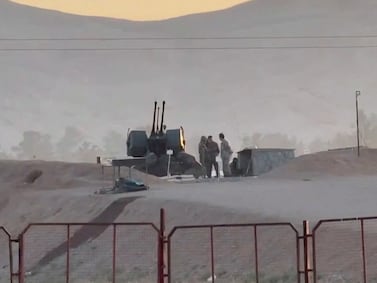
(188, 48)
(352, 46)
(193, 38)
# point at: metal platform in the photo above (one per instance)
(128, 162)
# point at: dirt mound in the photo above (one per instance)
(58, 175)
(329, 163)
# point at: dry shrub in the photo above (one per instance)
(33, 176)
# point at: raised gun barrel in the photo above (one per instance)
(154, 119)
(158, 118)
(162, 117)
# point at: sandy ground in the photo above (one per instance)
(65, 193)
(289, 200)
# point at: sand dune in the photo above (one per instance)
(329, 163)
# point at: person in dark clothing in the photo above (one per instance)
(212, 152)
(202, 148)
(234, 167)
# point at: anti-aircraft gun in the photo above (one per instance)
(159, 141)
(155, 147)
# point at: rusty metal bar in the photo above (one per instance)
(11, 259)
(212, 257)
(306, 252)
(90, 224)
(21, 267)
(160, 267)
(256, 255)
(363, 251)
(114, 251)
(169, 260)
(314, 258)
(161, 252)
(343, 220)
(235, 225)
(68, 257)
(298, 259)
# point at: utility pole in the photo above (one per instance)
(357, 122)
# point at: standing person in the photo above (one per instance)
(226, 154)
(213, 152)
(202, 148)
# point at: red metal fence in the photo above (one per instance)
(336, 250)
(6, 259)
(234, 253)
(103, 252)
(345, 250)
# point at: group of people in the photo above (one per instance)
(208, 152)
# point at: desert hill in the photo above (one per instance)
(142, 10)
(306, 93)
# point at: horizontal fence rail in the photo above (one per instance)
(335, 250)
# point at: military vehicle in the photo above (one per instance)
(163, 150)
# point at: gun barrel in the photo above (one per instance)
(158, 117)
(154, 118)
(162, 116)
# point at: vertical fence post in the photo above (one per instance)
(68, 256)
(114, 251)
(363, 251)
(256, 254)
(21, 267)
(10, 247)
(307, 269)
(298, 258)
(306, 273)
(212, 256)
(314, 258)
(169, 273)
(161, 251)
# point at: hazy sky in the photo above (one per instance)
(133, 9)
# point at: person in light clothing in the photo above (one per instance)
(226, 154)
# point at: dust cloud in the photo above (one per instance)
(75, 146)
